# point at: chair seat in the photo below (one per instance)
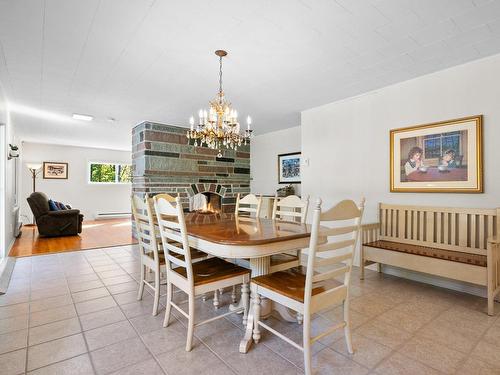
(213, 269)
(291, 283)
(279, 259)
(432, 252)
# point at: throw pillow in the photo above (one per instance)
(52, 205)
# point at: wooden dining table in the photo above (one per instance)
(243, 237)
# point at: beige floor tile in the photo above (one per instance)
(122, 288)
(55, 351)
(13, 341)
(15, 298)
(56, 330)
(111, 273)
(370, 306)
(52, 315)
(398, 364)
(49, 292)
(129, 297)
(329, 362)
(451, 334)
(149, 367)
(138, 308)
(101, 318)
(14, 310)
(148, 323)
(13, 324)
(166, 339)
(476, 366)
(337, 315)
(50, 303)
(94, 305)
(492, 334)
(487, 352)
(110, 334)
(410, 322)
(366, 352)
(120, 355)
(384, 334)
(13, 363)
(85, 285)
(80, 365)
(117, 280)
(198, 361)
(87, 295)
(433, 355)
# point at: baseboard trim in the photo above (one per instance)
(6, 268)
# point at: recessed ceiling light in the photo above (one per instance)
(77, 116)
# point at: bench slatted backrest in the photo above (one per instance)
(449, 228)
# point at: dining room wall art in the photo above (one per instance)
(289, 168)
(439, 157)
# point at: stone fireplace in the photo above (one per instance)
(164, 161)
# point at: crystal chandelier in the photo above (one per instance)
(219, 127)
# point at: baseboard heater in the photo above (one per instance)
(113, 215)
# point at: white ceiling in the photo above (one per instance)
(153, 60)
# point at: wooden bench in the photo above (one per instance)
(457, 243)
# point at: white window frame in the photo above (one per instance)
(116, 164)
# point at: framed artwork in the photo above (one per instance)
(442, 157)
(55, 171)
(289, 168)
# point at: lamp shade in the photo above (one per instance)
(34, 166)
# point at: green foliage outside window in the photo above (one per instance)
(110, 173)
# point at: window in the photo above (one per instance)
(110, 173)
(437, 144)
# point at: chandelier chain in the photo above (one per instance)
(220, 74)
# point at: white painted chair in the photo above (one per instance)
(290, 208)
(251, 205)
(194, 279)
(318, 287)
(150, 247)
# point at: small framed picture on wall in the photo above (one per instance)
(55, 170)
(289, 168)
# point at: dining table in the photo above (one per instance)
(251, 239)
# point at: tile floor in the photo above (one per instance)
(76, 313)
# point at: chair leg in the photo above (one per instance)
(379, 267)
(233, 294)
(306, 342)
(190, 332)
(347, 328)
(245, 296)
(141, 284)
(157, 292)
(169, 306)
(216, 299)
(362, 264)
(300, 318)
(256, 316)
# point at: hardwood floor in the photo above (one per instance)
(95, 234)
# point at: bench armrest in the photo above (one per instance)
(370, 232)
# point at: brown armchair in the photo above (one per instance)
(54, 223)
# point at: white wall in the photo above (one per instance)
(89, 198)
(264, 153)
(7, 182)
(347, 142)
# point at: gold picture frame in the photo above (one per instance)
(440, 157)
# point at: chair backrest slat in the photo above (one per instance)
(251, 202)
(144, 226)
(338, 251)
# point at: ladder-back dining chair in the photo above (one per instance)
(323, 284)
(251, 205)
(150, 246)
(294, 209)
(194, 279)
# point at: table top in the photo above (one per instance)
(433, 175)
(229, 229)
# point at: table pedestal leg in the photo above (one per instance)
(259, 266)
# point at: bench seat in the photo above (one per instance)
(432, 252)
